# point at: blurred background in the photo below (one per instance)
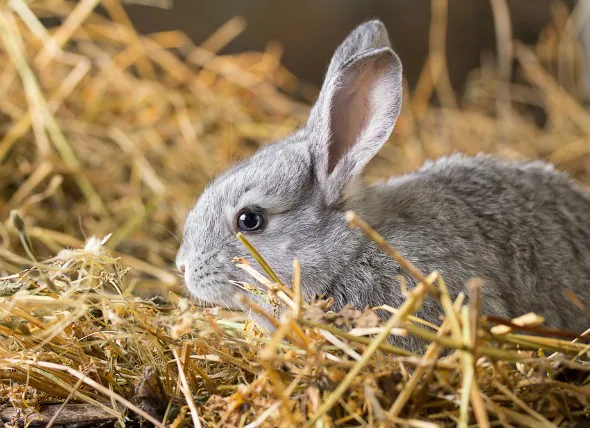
(114, 115)
(308, 31)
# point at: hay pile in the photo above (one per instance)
(109, 134)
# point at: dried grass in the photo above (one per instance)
(109, 133)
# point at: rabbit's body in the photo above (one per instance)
(522, 227)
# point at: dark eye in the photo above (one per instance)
(250, 220)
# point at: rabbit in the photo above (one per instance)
(522, 227)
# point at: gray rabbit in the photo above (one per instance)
(524, 228)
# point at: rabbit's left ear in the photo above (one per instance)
(357, 108)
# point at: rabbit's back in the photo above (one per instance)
(522, 227)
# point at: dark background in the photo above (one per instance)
(309, 30)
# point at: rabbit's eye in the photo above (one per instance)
(250, 220)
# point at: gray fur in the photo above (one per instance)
(521, 227)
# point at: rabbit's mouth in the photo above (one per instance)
(213, 289)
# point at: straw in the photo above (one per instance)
(107, 138)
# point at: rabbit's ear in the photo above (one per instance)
(357, 108)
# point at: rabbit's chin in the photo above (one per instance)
(212, 296)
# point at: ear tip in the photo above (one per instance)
(375, 23)
(371, 35)
(375, 26)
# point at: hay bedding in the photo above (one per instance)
(106, 133)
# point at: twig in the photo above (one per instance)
(503, 27)
(479, 408)
(64, 404)
(297, 293)
(468, 371)
(186, 391)
(258, 257)
(435, 72)
(264, 416)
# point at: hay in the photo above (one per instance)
(108, 133)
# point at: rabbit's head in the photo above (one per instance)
(288, 198)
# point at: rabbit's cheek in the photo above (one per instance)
(285, 246)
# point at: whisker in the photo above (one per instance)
(174, 235)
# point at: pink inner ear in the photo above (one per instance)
(351, 110)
